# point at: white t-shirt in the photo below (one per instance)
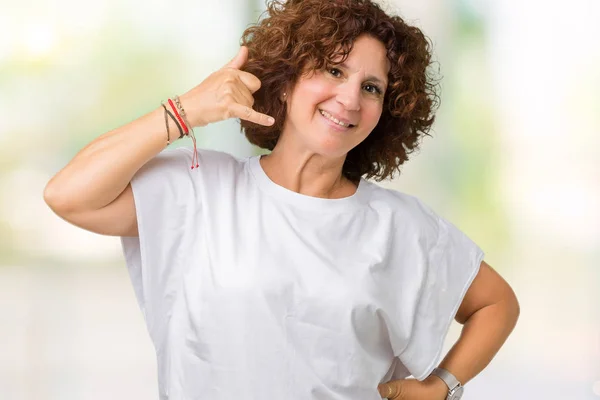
(251, 290)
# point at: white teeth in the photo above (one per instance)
(332, 118)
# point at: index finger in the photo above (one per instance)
(248, 114)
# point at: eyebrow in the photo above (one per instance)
(369, 78)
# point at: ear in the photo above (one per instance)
(284, 95)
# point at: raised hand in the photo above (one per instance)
(226, 93)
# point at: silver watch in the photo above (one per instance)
(455, 389)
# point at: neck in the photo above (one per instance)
(308, 173)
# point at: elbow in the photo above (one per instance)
(50, 194)
(54, 200)
(510, 305)
(512, 309)
(513, 303)
(515, 307)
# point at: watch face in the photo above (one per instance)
(456, 394)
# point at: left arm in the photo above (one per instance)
(488, 313)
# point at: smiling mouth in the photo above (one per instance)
(335, 120)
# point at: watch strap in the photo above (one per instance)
(449, 379)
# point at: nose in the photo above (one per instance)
(349, 96)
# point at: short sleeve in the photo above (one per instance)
(452, 264)
(165, 204)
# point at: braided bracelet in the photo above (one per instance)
(183, 125)
(182, 118)
(168, 113)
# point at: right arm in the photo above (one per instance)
(93, 190)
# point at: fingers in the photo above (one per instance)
(248, 114)
(237, 93)
(387, 391)
(249, 80)
(249, 85)
(240, 59)
(246, 95)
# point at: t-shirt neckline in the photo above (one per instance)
(281, 193)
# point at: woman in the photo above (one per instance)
(290, 275)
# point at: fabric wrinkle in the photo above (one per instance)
(246, 286)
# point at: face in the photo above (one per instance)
(351, 93)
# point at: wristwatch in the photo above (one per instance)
(455, 389)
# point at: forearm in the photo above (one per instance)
(482, 336)
(103, 168)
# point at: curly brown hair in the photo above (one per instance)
(300, 36)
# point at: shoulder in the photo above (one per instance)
(187, 153)
(169, 164)
(181, 159)
(400, 202)
(172, 168)
(405, 209)
(215, 156)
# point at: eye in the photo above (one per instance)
(375, 89)
(330, 69)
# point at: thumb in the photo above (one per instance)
(383, 390)
(388, 390)
(240, 59)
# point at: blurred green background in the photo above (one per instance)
(514, 162)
